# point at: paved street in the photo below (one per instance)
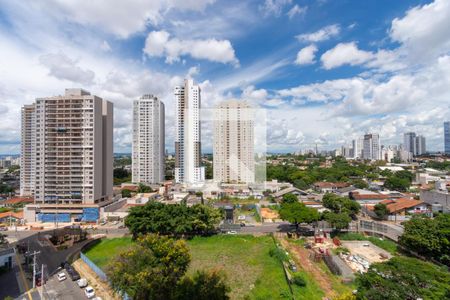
(67, 289)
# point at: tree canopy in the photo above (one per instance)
(150, 268)
(173, 219)
(403, 278)
(381, 210)
(155, 268)
(297, 213)
(289, 198)
(428, 237)
(339, 204)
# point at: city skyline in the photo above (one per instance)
(332, 74)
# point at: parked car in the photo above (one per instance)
(82, 282)
(61, 277)
(74, 275)
(89, 292)
(231, 232)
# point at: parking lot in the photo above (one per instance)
(66, 289)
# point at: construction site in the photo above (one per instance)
(345, 258)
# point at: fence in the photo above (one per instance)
(94, 267)
(99, 272)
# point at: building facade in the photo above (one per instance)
(27, 150)
(409, 142)
(447, 138)
(73, 155)
(148, 156)
(188, 167)
(371, 146)
(420, 145)
(233, 143)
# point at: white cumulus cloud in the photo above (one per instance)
(322, 34)
(306, 55)
(161, 44)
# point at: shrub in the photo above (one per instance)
(278, 254)
(298, 279)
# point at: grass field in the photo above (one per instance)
(101, 253)
(251, 272)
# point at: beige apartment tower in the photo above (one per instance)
(73, 154)
(27, 151)
(233, 143)
(148, 157)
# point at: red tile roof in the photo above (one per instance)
(16, 200)
(16, 215)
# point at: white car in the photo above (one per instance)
(89, 292)
(232, 232)
(61, 276)
(241, 218)
(82, 282)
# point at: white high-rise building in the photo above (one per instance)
(27, 150)
(73, 156)
(148, 157)
(371, 146)
(358, 146)
(188, 167)
(233, 143)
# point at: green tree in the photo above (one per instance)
(403, 278)
(142, 188)
(297, 213)
(339, 204)
(289, 198)
(428, 237)
(381, 210)
(173, 219)
(360, 184)
(126, 193)
(150, 268)
(338, 221)
(204, 285)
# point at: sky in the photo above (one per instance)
(325, 71)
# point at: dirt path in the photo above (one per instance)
(301, 256)
(101, 287)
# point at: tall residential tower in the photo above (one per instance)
(371, 146)
(28, 151)
(73, 155)
(148, 157)
(233, 143)
(447, 138)
(188, 167)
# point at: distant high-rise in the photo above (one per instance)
(73, 169)
(447, 138)
(148, 159)
(409, 143)
(358, 147)
(27, 150)
(188, 167)
(420, 145)
(371, 146)
(233, 143)
(413, 143)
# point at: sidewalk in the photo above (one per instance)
(101, 287)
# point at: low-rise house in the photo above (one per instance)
(329, 187)
(344, 192)
(301, 194)
(11, 217)
(402, 209)
(17, 201)
(7, 257)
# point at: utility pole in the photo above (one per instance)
(42, 282)
(34, 254)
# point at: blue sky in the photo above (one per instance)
(326, 71)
